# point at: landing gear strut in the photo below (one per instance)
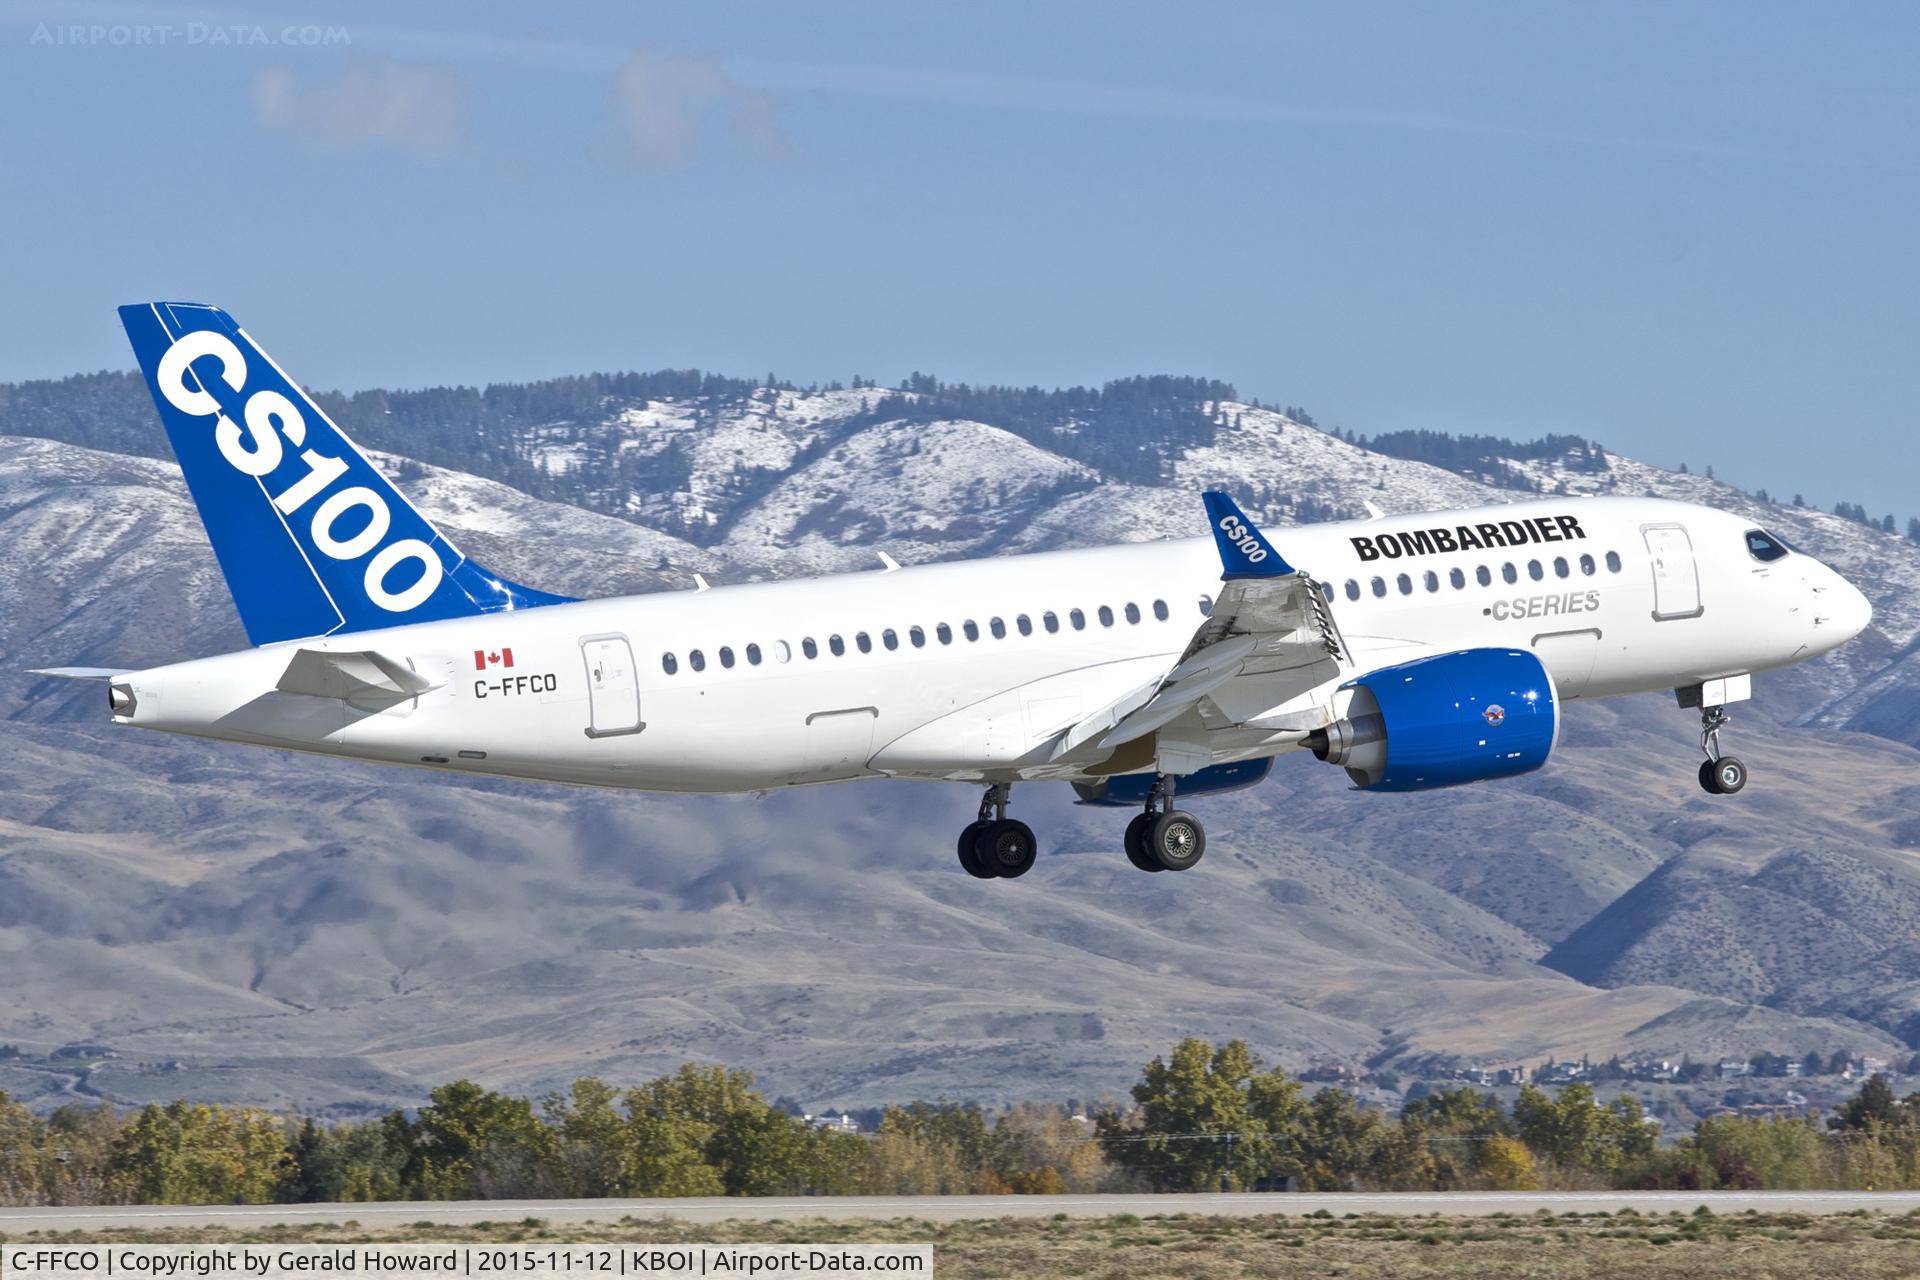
(994, 845)
(1164, 838)
(1719, 775)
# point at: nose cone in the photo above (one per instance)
(1853, 610)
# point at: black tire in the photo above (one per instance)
(1136, 844)
(1006, 848)
(969, 854)
(1707, 783)
(1177, 840)
(1729, 776)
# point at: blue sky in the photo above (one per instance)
(1685, 229)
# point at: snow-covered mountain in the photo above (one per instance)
(309, 933)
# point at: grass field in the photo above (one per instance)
(1623, 1246)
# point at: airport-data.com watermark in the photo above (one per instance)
(196, 35)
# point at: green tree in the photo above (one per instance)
(1454, 1125)
(1343, 1146)
(589, 1143)
(349, 1163)
(1874, 1107)
(1745, 1153)
(1206, 1116)
(193, 1153)
(463, 1136)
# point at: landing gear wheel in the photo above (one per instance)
(1136, 843)
(1720, 775)
(1006, 848)
(1177, 840)
(969, 855)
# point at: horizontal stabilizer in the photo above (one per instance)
(82, 673)
(364, 676)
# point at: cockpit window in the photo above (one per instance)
(1764, 546)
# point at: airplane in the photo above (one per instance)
(1413, 651)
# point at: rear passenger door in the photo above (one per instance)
(613, 686)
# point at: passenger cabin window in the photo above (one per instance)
(998, 628)
(697, 660)
(1024, 625)
(1560, 567)
(1587, 565)
(1160, 609)
(1483, 576)
(1509, 573)
(782, 651)
(943, 633)
(1433, 580)
(1326, 592)
(1613, 562)
(1051, 621)
(1133, 612)
(1405, 584)
(970, 629)
(726, 656)
(1078, 619)
(808, 647)
(1458, 578)
(1379, 586)
(863, 642)
(1206, 606)
(669, 663)
(1536, 570)
(836, 646)
(916, 637)
(1106, 616)
(890, 639)
(753, 655)
(1764, 547)
(1353, 589)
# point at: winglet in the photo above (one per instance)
(1244, 550)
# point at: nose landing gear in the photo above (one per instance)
(1719, 775)
(1164, 838)
(995, 846)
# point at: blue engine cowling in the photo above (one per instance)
(1130, 789)
(1441, 721)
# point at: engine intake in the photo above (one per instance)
(1441, 721)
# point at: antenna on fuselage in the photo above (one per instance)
(887, 563)
(700, 583)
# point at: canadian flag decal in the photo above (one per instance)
(482, 659)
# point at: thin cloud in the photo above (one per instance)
(367, 104)
(663, 106)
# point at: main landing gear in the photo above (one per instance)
(1164, 838)
(1719, 775)
(995, 846)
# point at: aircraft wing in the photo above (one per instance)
(1270, 636)
(82, 673)
(362, 676)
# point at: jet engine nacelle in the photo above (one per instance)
(1440, 721)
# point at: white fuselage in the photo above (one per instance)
(966, 670)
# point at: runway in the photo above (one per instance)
(559, 1213)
